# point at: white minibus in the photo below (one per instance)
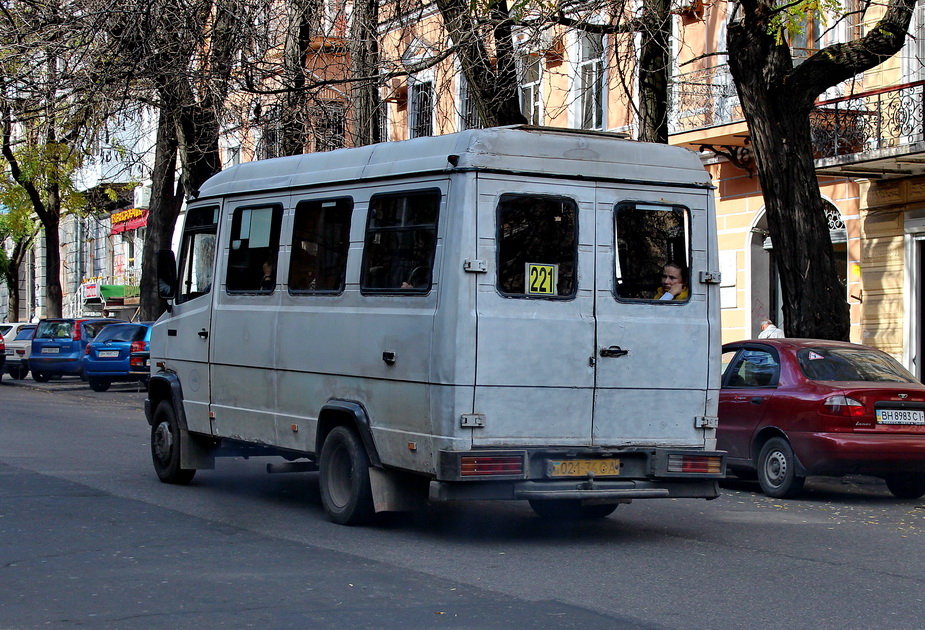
(515, 313)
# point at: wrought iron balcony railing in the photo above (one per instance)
(892, 117)
(702, 99)
(880, 119)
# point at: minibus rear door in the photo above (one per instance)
(652, 355)
(534, 380)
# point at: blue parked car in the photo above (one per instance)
(119, 353)
(58, 346)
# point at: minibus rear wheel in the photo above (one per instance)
(344, 478)
(165, 446)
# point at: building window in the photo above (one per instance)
(421, 109)
(591, 81)
(913, 53)
(468, 113)
(270, 142)
(328, 127)
(530, 78)
(335, 18)
(804, 45)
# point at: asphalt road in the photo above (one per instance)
(90, 538)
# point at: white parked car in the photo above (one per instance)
(18, 338)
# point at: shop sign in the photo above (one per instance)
(130, 219)
(91, 291)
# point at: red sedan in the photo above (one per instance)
(791, 408)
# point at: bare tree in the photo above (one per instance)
(186, 72)
(777, 97)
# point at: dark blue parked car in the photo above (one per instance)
(58, 346)
(119, 353)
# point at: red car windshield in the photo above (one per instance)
(850, 364)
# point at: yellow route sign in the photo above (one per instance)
(542, 279)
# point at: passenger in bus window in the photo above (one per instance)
(674, 283)
(419, 279)
(268, 281)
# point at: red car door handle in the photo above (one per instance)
(757, 400)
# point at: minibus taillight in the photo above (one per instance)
(703, 464)
(491, 465)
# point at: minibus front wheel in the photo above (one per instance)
(165, 446)
(344, 478)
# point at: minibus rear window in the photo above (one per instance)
(401, 239)
(537, 246)
(653, 252)
(320, 240)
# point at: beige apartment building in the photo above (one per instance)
(868, 137)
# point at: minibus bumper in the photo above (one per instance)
(617, 475)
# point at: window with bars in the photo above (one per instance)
(421, 109)
(270, 143)
(468, 113)
(328, 126)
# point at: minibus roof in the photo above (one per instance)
(521, 149)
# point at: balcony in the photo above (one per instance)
(875, 134)
(704, 99)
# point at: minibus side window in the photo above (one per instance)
(320, 240)
(401, 238)
(197, 253)
(253, 250)
(537, 246)
(653, 251)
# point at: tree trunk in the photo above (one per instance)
(12, 284)
(162, 216)
(492, 87)
(364, 62)
(654, 64)
(197, 132)
(814, 301)
(53, 294)
(302, 25)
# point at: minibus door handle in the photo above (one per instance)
(203, 333)
(614, 351)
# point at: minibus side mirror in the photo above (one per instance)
(166, 274)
